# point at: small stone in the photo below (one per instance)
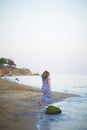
(53, 110)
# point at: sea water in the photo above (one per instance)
(74, 109)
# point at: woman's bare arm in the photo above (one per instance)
(49, 84)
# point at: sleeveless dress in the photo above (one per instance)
(46, 97)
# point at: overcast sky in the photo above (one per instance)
(45, 34)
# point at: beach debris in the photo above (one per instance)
(17, 79)
(53, 110)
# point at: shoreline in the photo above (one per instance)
(19, 105)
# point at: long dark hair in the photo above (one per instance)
(45, 74)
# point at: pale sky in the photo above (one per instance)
(45, 34)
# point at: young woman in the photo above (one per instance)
(46, 89)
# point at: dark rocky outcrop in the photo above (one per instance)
(12, 71)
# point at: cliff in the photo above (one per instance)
(12, 71)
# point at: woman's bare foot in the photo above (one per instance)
(49, 105)
(40, 103)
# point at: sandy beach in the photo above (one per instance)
(19, 105)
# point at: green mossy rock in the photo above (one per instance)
(53, 110)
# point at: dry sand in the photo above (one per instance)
(19, 105)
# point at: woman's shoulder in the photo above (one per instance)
(48, 78)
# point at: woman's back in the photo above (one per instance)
(45, 81)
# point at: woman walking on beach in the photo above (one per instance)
(46, 89)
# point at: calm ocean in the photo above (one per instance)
(74, 110)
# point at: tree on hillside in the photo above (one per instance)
(11, 62)
(7, 62)
(3, 61)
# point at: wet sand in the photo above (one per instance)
(19, 105)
